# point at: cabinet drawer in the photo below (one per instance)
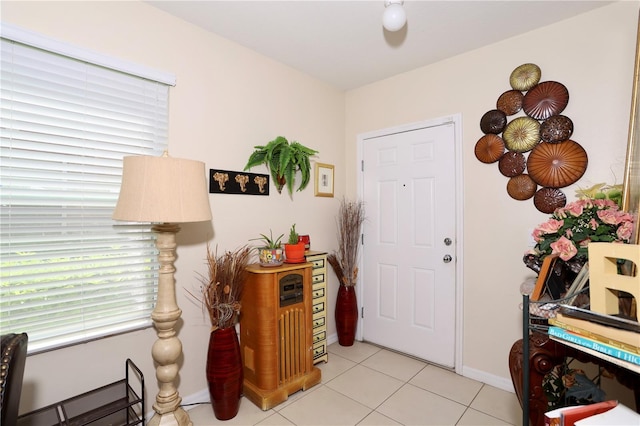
(318, 307)
(319, 349)
(319, 336)
(318, 278)
(318, 263)
(318, 322)
(319, 292)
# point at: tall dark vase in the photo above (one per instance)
(224, 372)
(346, 315)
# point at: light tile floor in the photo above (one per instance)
(367, 385)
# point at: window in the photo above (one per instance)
(69, 272)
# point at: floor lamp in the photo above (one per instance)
(165, 191)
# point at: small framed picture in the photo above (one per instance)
(545, 279)
(324, 180)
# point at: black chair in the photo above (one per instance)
(14, 356)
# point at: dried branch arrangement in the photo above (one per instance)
(345, 261)
(222, 289)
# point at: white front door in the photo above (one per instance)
(408, 256)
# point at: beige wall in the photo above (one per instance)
(592, 55)
(228, 99)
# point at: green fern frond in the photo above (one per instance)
(283, 160)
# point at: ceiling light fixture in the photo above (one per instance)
(394, 16)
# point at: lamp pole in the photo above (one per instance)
(167, 349)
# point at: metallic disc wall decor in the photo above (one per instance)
(547, 200)
(545, 99)
(521, 187)
(530, 140)
(556, 128)
(493, 121)
(525, 77)
(522, 134)
(557, 165)
(510, 102)
(489, 148)
(512, 163)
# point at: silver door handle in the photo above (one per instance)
(447, 258)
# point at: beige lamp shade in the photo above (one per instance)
(162, 189)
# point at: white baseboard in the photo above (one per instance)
(490, 379)
(188, 402)
(199, 397)
(332, 338)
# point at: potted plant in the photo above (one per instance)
(284, 159)
(294, 248)
(270, 254)
(220, 296)
(345, 264)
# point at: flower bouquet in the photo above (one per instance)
(571, 228)
(568, 233)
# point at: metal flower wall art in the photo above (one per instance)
(530, 140)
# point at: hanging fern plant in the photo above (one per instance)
(284, 159)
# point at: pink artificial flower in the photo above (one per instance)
(609, 216)
(537, 235)
(584, 203)
(575, 209)
(593, 224)
(625, 230)
(625, 217)
(564, 248)
(602, 203)
(585, 242)
(551, 226)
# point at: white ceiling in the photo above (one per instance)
(343, 43)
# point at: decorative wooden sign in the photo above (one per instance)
(230, 182)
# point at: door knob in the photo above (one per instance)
(447, 258)
(447, 241)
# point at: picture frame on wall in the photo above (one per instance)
(324, 180)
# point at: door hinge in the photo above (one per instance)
(362, 312)
(362, 165)
(362, 239)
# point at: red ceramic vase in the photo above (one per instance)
(346, 315)
(224, 372)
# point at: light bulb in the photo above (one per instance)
(394, 17)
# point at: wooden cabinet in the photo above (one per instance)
(319, 304)
(276, 333)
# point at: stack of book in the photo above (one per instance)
(614, 339)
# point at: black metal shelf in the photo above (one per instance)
(115, 404)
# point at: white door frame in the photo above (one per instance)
(456, 119)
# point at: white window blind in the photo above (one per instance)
(69, 272)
